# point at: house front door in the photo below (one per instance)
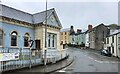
(109, 49)
(37, 44)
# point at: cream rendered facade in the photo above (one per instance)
(40, 35)
(65, 36)
(34, 24)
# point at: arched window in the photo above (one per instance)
(14, 38)
(26, 39)
(1, 37)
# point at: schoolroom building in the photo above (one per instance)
(18, 27)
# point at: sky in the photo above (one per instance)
(79, 13)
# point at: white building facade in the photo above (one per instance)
(113, 44)
(87, 39)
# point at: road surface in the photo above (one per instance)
(91, 61)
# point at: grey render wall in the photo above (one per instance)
(100, 34)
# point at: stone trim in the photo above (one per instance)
(16, 22)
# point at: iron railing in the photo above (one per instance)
(27, 58)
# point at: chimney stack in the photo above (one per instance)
(89, 27)
(79, 30)
(71, 27)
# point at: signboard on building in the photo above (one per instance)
(9, 56)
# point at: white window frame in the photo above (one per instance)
(16, 40)
(28, 39)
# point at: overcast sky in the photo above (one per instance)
(79, 13)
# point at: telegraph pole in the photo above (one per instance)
(45, 36)
(46, 26)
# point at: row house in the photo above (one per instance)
(87, 42)
(113, 40)
(18, 27)
(97, 36)
(72, 35)
(77, 38)
(113, 44)
(87, 39)
(65, 36)
(80, 37)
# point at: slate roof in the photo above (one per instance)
(41, 16)
(65, 30)
(113, 34)
(27, 17)
(96, 27)
(15, 14)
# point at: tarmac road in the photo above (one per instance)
(90, 61)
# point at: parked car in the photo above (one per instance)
(105, 52)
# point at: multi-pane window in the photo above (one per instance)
(65, 37)
(26, 40)
(108, 40)
(14, 38)
(49, 41)
(103, 35)
(65, 33)
(112, 39)
(1, 37)
(53, 41)
(112, 49)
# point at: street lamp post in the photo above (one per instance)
(30, 45)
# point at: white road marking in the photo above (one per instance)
(61, 71)
(99, 61)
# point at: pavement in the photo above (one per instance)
(49, 68)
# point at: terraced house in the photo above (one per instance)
(18, 27)
(65, 36)
(113, 40)
(77, 38)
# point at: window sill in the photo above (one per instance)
(1, 46)
(26, 47)
(14, 47)
(51, 47)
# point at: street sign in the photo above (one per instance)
(9, 56)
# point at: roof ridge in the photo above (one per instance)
(25, 11)
(43, 11)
